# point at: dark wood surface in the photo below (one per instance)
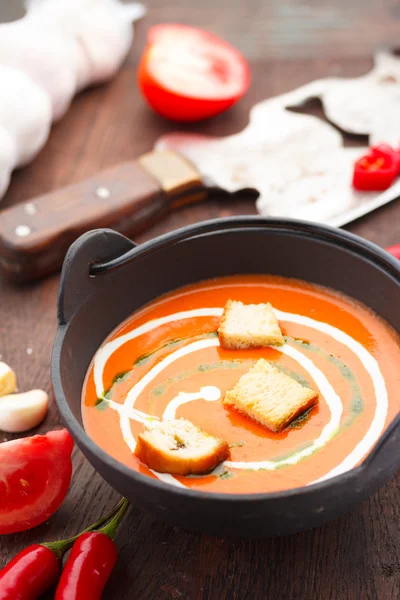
(356, 557)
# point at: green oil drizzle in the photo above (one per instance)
(145, 357)
(226, 474)
(301, 420)
(141, 360)
(101, 404)
(283, 457)
(120, 377)
(356, 403)
(237, 444)
(294, 375)
(162, 388)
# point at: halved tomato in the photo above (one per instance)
(35, 473)
(188, 74)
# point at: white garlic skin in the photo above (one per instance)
(21, 412)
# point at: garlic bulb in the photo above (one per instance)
(58, 48)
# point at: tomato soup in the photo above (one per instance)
(165, 362)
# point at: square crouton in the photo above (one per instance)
(270, 397)
(248, 326)
(180, 448)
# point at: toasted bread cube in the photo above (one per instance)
(270, 397)
(180, 448)
(248, 326)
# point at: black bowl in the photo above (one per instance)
(106, 277)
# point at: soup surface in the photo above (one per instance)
(165, 361)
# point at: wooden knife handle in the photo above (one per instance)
(35, 235)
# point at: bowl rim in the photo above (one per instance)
(359, 245)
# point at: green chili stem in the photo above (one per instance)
(60, 547)
(111, 528)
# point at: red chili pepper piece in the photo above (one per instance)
(92, 558)
(377, 170)
(29, 574)
(88, 568)
(388, 150)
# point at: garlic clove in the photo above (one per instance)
(8, 380)
(20, 412)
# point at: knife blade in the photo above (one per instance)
(299, 167)
(298, 162)
(35, 235)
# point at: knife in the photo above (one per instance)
(129, 197)
(295, 164)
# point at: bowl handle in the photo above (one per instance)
(77, 284)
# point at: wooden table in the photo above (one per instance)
(288, 44)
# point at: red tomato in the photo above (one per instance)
(395, 250)
(35, 473)
(187, 74)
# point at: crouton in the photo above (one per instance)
(248, 326)
(180, 448)
(270, 397)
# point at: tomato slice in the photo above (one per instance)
(187, 74)
(35, 473)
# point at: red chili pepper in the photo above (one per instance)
(29, 574)
(92, 559)
(395, 250)
(88, 568)
(377, 170)
(386, 149)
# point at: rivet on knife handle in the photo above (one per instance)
(35, 235)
